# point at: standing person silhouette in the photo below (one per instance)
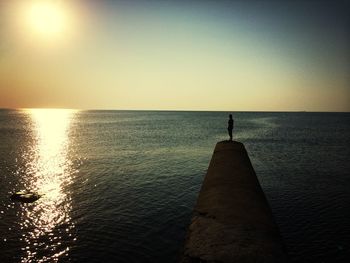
(230, 127)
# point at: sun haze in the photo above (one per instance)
(47, 19)
(175, 55)
(39, 23)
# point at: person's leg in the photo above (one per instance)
(230, 133)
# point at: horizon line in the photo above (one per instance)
(179, 110)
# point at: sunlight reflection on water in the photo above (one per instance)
(49, 172)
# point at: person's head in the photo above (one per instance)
(230, 116)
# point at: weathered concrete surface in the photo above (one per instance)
(232, 221)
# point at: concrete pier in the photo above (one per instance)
(232, 221)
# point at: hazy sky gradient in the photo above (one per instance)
(181, 55)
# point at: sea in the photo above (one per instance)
(120, 186)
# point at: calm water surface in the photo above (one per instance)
(119, 186)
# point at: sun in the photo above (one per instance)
(44, 23)
(47, 19)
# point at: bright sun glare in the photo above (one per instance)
(47, 19)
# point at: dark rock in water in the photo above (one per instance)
(25, 197)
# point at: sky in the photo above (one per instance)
(175, 55)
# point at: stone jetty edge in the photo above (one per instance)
(232, 220)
